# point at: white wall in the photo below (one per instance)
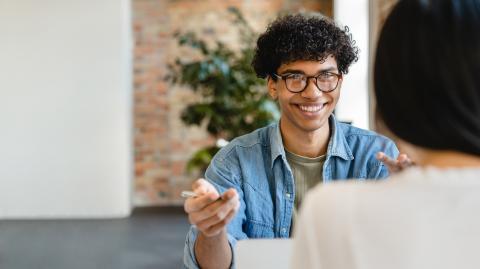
(353, 104)
(65, 106)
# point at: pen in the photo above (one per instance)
(191, 194)
(188, 194)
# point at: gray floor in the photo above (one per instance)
(151, 238)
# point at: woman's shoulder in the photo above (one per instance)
(357, 193)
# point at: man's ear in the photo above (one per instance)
(340, 82)
(272, 90)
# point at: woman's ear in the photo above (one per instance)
(272, 90)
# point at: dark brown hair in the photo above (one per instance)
(427, 74)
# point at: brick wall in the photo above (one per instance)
(162, 143)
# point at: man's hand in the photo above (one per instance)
(397, 165)
(209, 211)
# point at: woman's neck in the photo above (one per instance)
(447, 159)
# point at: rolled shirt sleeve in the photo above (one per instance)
(189, 259)
(223, 173)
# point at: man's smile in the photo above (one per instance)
(311, 109)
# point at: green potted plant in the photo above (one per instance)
(234, 100)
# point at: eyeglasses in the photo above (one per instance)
(325, 81)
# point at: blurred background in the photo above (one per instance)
(108, 109)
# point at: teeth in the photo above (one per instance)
(310, 108)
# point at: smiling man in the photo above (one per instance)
(256, 183)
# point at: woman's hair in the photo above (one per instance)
(303, 37)
(427, 74)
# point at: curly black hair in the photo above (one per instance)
(303, 37)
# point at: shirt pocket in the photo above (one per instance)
(257, 229)
(360, 175)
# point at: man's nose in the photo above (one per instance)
(311, 91)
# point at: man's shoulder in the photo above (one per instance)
(251, 141)
(353, 133)
(350, 130)
(361, 141)
(259, 136)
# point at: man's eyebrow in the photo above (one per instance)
(298, 71)
(329, 69)
(292, 71)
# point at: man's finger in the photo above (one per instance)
(385, 159)
(213, 213)
(214, 218)
(217, 228)
(229, 194)
(402, 158)
(201, 186)
(198, 203)
(198, 182)
(197, 217)
(404, 161)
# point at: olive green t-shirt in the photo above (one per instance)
(307, 172)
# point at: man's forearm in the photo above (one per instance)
(213, 252)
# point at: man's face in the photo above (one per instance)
(309, 110)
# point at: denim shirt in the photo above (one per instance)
(256, 166)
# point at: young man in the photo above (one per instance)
(425, 217)
(255, 184)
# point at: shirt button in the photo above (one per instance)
(288, 195)
(284, 230)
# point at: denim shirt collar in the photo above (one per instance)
(337, 146)
(276, 143)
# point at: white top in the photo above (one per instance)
(421, 218)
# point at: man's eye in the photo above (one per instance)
(325, 75)
(296, 77)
